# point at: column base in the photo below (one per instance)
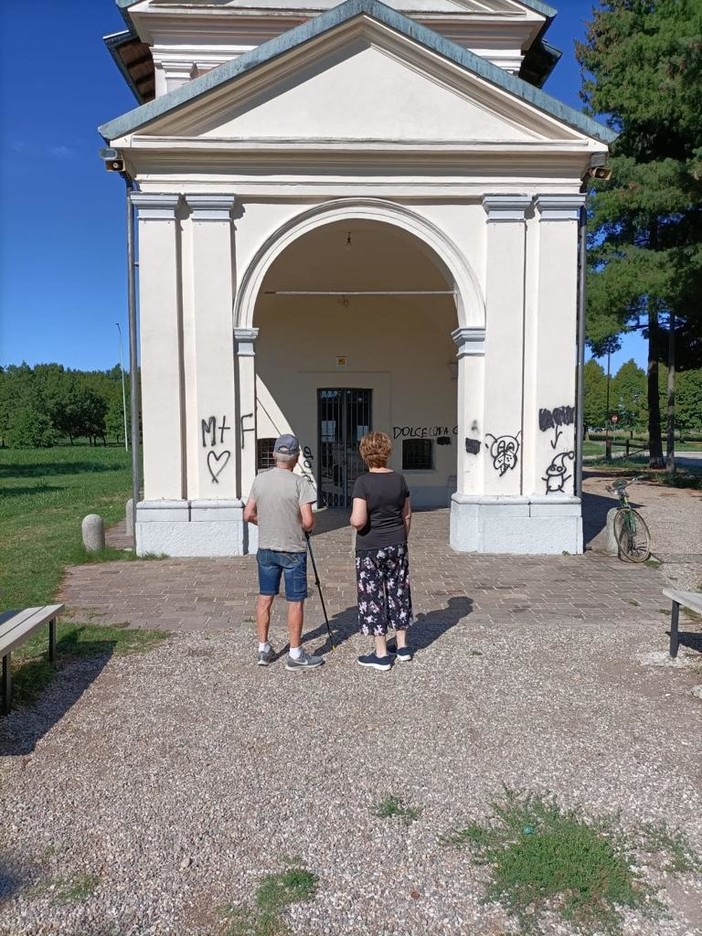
(516, 525)
(190, 529)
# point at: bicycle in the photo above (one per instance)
(630, 530)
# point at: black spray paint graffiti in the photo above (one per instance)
(306, 468)
(423, 432)
(554, 419)
(557, 473)
(210, 429)
(216, 461)
(504, 450)
(473, 446)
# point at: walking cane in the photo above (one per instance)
(319, 587)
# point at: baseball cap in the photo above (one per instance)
(286, 445)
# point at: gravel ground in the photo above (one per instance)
(175, 779)
(673, 516)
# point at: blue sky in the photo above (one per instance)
(62, 229)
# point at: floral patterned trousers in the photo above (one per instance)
(384, 598)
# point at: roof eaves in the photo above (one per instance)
(113, 42)
(536, 5)
(328, 20)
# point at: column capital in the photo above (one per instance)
(245, 338)
(506, 207)
(560, 207)
(156, 206)
(211, 207)
(469, 341)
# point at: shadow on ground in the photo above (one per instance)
(41, 469)
(26, 724)
(595, 510)
(427, 627)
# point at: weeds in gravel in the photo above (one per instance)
(275, 893)
(543, 858)
(75, 887)
(32, 672)
(392, 806)
(659, 838)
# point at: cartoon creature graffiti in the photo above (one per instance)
(557, 473)
(504, 451)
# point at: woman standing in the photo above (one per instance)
(381, 516)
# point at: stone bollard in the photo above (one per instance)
(93, 529)
(129, 517)
(611, 545)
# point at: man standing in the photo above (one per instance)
(280, 504)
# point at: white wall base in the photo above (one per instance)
(190, 528)
(516, 525)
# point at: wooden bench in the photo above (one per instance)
(691, 600)
(15, 628)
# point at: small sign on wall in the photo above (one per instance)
(341, 362)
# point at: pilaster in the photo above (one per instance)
(470, 343)
(245, 339)
(161, 327)
(502, 428)
(551, 351)
(208, 326)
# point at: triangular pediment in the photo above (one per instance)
(362, 91)
(360, 73)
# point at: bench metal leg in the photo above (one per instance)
(52, 640)
(674, 630)
(6, 684)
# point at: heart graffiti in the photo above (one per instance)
(217, 463)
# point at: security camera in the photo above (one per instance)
(112, 159)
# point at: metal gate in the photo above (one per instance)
(344, 417)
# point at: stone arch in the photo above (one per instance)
(470, 303)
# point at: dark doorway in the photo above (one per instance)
(344, 417)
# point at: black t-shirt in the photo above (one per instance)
(385, 494)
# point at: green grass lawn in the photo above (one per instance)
(44, 495)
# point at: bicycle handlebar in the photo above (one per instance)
(620, 485)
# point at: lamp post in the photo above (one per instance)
(608, 441)
(124, 390)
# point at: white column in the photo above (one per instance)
(161, 347)
(211, 389)
(551, 352)
(471, 378)
(246, 411)
(505, 303)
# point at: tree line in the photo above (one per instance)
(627, 399)
(50, 404)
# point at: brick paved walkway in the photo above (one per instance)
(214, 594)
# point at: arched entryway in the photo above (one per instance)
(355, 317)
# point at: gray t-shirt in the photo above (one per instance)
(279, 494)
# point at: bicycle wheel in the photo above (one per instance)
(632, 536)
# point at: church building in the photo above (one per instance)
(356, 216)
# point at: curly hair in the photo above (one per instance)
(375, 449)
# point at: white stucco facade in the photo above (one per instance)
(356, 222)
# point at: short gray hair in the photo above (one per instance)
(285, 459)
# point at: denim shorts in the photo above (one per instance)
(272, 564)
